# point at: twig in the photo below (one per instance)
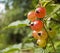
(40, 4)
(57, 21)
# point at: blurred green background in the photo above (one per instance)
(11, 11)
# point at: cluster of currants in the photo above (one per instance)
(36, 25)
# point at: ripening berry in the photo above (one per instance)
(40, 35)
(41, 42)
(31, 16)
(37, 25)
(43, 34)
(35, 35)
(52, 33)
(40, 12)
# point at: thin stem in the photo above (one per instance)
(57, 21)
(50, 39)
(40, 3)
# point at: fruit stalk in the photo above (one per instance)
(40, 4)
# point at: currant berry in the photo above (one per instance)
(37, 25)
(31, 16)
(41, 42)
(40, 34)
(52, 33)
(35, 35)
(40, 12)
(43, 34)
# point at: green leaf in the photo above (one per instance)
(14, 48)
(52, 9)
(57, 46)
(39, 50)
(17, 24)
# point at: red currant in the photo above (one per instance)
(31, 16)
(35, 35)
(39, 35)
(40, 12)
(37, 25)
(43, 34)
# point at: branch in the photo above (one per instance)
(57, 21)
(50, 39)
